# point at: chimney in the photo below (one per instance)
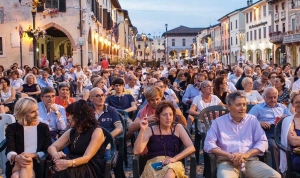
(166, 27)
(249, 2)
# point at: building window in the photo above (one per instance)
(259, 33)
(231, 40)
(236, 24)
(276, 8)
(250, 35)
(230, 25)
(254, 35)
(247, 36)
(270, 29)
(246, 17)
(277, 28)
(283, 6)
(51, 4)
(139, 46)
(173, 42)
(283, 27)
(265, 10)
(293, 25)
(1, 46)
(236, 40)
(183, 42)
(251, 16)
(254, 14)
(1, 15)
(265, 32)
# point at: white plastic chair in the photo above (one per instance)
(5, 119)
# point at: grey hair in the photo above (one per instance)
(233, 96)
(204, 83)
(267, 89)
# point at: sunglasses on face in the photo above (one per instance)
(99, 95)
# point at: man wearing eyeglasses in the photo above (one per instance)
(109, 119)
(52, 114)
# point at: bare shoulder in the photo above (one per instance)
(98, 133)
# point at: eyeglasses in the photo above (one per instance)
(99, 95)
(49, 96)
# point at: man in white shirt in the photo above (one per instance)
(262, 64)
(132, 86)
(180, 62)
(236, 76)
(241, 59)
(215, 61)
(63, 60)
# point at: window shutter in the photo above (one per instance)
(40, 8)
(97, 11)
(109, 21)
(62, 6)
(105, 18)
(100, 15)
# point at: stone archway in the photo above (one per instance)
(49, 25)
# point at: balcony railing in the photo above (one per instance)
(276, 16)
(282, 15)
(276, 37)
(292, 37)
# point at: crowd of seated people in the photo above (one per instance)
(65, 98)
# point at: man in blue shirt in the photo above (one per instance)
(52, 114)
(194, 91)
(267, 113)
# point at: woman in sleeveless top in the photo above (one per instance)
(8, 94)
(30, 86)
(164, 142)
(294, 132)
(85, 142)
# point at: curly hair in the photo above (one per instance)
(162, 106)
(83, 116)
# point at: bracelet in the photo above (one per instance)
(73, 163)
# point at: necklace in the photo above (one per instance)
(163, 143)
(75, 140)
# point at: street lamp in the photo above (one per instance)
(241, 36)
(34, 4)
(144, 37)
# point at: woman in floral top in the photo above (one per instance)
(283, 92)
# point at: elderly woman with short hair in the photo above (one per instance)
(252, 96)
(30, 86)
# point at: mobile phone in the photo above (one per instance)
(157, 166)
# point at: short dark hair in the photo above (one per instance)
(162, 106)
(6, 80)
(47, 90)
(233, 96)
(117, 81)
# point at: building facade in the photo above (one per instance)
(237, 34)
(178, 42)
(144, 48)
(225, 38)
(258, 19)
(292, 34)
(85, 30)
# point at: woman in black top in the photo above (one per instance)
(220, 88)
(30, 86)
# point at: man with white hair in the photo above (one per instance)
(236, 76)
(268, 114)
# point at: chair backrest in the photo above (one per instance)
(249, 107)
(109, 140)
(5, 119)
(123, 113)
(277, 131)
(211, 113)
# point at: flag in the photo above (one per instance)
(20, 31)
(115, 32)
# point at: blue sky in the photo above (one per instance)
(150, 16)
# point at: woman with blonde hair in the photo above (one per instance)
(27, 140)
(30, 86)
